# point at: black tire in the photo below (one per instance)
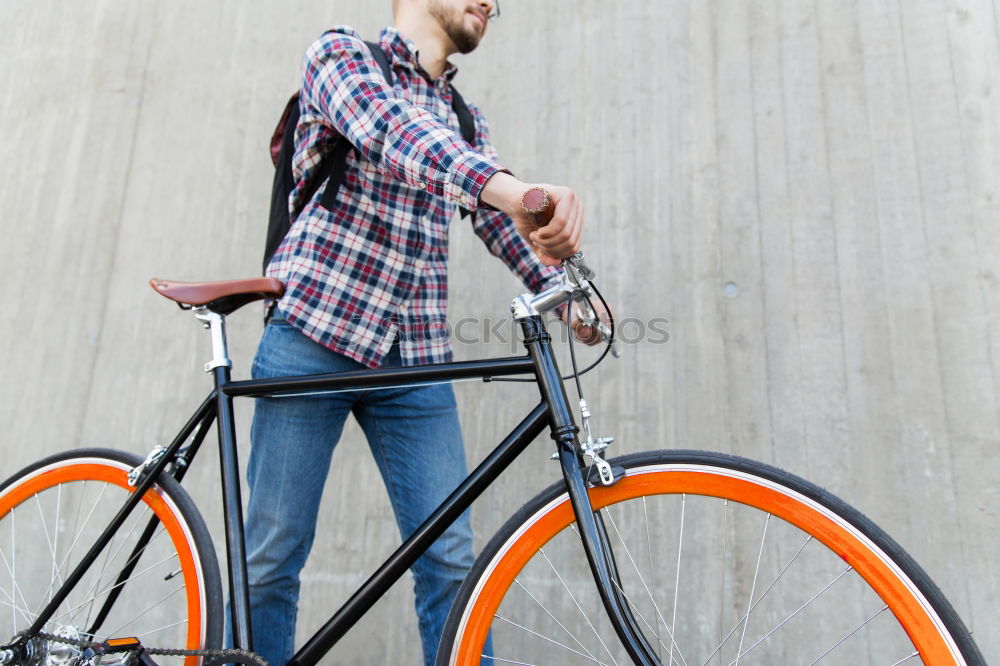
(50, 514)
(784, 547)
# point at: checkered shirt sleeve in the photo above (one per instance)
(409, 143)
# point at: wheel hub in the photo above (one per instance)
(61, 654)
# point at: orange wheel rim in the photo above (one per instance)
(922, 630)
(39, 482)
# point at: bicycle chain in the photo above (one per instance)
(231, 655)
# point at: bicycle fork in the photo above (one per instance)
(595, 540)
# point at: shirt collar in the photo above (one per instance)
(401, 47)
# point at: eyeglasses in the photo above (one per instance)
(495, 12)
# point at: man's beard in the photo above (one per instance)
(453, 24)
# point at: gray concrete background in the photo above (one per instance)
(807, 190)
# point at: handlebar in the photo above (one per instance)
(576, 281)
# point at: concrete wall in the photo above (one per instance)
(807, 190)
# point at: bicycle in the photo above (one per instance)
(101, 545)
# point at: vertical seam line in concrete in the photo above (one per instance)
(721, 310)
(996, 25)
(105, 290)
(979, 283)
(923, 228)
(972, 210)
(760, 242)
(879, 218)
(824, 97)
(803, 429)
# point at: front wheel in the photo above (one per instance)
(722, 560)
(51, 512)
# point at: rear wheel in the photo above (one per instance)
(722, 561)
(53, 511)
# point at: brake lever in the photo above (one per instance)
(588, 316)
(583, 270)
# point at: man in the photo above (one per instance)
(363, 280)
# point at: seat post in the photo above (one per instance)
(216, 323)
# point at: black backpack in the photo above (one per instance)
(331, 169)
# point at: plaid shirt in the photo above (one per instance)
(375, 266)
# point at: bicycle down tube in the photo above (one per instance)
(554, 408)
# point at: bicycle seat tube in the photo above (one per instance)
(564, 431)
(232, 503)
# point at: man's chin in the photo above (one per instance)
(466, 43)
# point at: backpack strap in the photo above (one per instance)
(466, 123)
(467, 126)
(335, 163)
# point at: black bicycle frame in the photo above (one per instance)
(553, 410)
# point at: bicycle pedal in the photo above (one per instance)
(113, 645)
(125, 651)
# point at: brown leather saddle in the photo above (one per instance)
(221, 297)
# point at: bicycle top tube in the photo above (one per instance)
(212, 301)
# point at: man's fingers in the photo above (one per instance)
(577, 225)
(561, 236)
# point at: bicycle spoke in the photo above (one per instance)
(849, 634)
(114, 557)
(81, 527)
(547, 612)
(118, 630)
(111, 586)
(12, 570)
(546, 638)
(586, 618)
(24, 611)
(13, 579)
(99, 578)
(774, 582)
(644, 620)
(753, 587)
(79, 533)
(506, 661)
(796, 611)
(652, 574)
(55, 546)
(677, 580)
(722, 586)
(670, 632)
(76, 518)
(56, 573)
(905, 659)
(159, 629)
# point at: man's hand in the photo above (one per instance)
(560, 238)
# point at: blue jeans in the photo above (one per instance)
(413, 433)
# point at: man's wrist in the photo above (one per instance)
(503, 192)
